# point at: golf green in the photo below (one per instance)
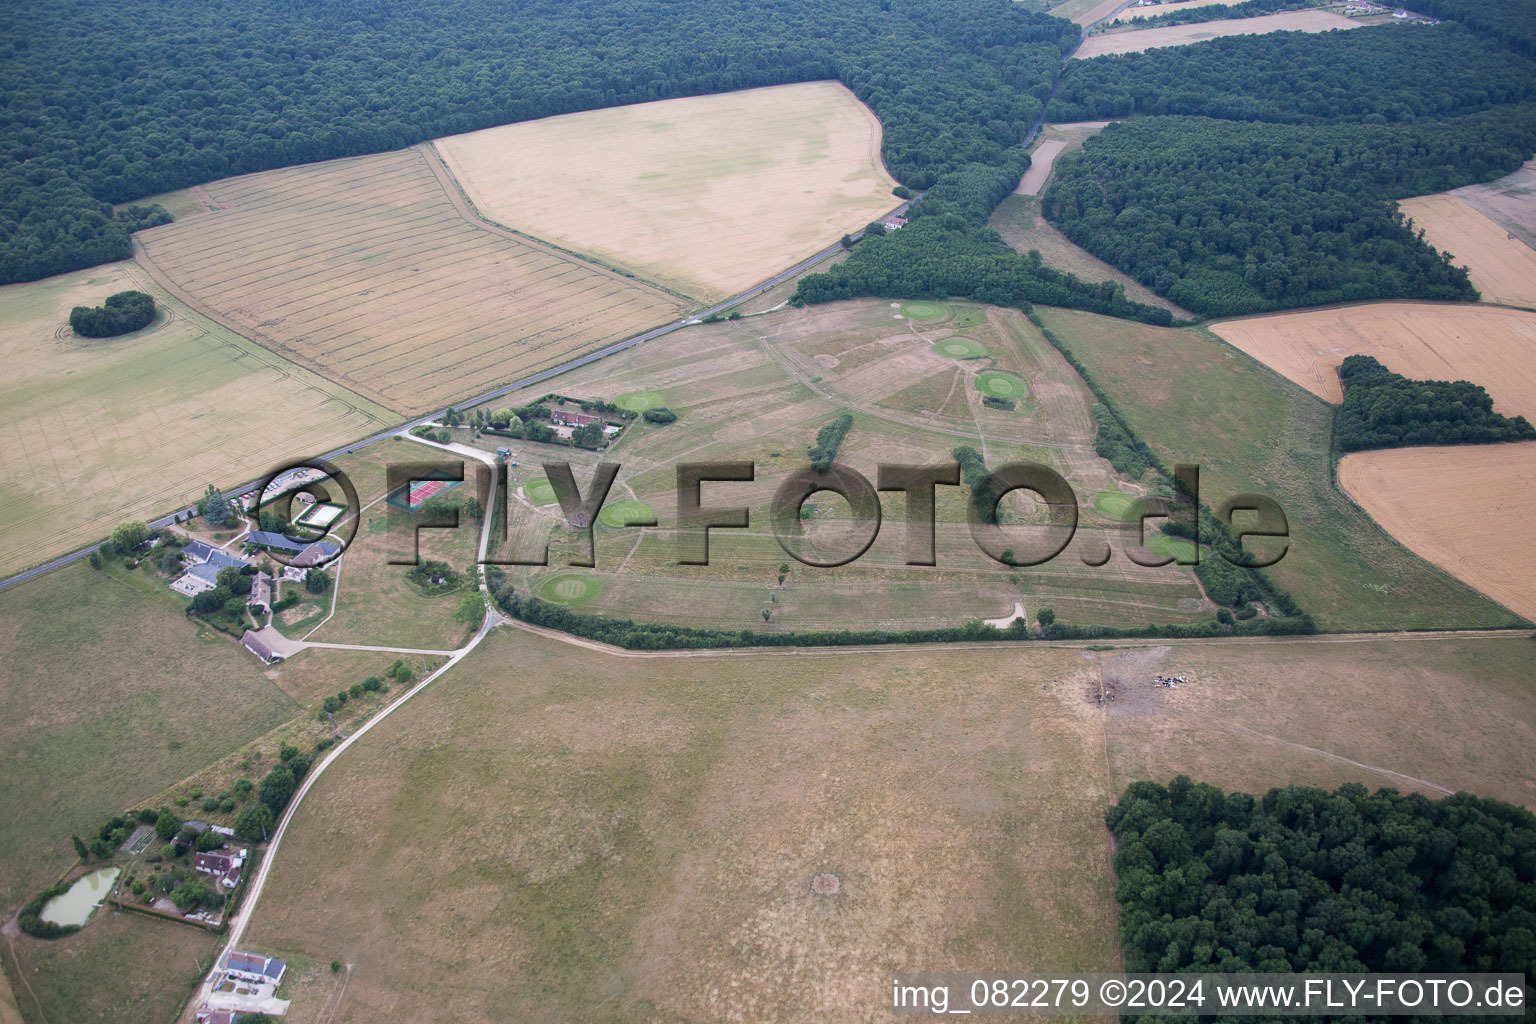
(959, 348)
(1172, 547)
(622, 513)
(922, 310)
(1001, 385)
(638, 401)
(539, 492)
(570, 590)
(1113, 503)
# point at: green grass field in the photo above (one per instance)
(111, 695)
(540, 492)
(923, 310)
(622, 513)
(638, 401)
(1001, 385)
(960, 348)
(570, 589)
(1114, 504)
(1195, 399)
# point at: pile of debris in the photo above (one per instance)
(1169, 681)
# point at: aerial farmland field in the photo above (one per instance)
(101, 430)
(366, 271)
(1507, 201)
(706, 195)
(1178, 35)
(1469, 509)
(1137, 13)
(1495, 348)
(1502, 267)
(609, 838)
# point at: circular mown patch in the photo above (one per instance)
(1113, 504)
(1172, 547)
(923, 310)
(960, 348)
(638, 401)
(540, 492)
(569, 590)
(1001, 385)
(622, 513)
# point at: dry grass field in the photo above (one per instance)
(705, 195)
(96, 431)
(1509, 201)
(1138, 13)
(556, 833)
(368, 271)
(759, 389)
(1086, 12)
(1040, 167)
(1495, 348)
(1469, 509)
(1501, 266)
(1177, 35)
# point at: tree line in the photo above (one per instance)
(103, 107)
(1182, 15)
(1382, 409)
(1306, 880)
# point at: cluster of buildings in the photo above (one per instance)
(226, 867)
(566, 421)
(202, 574)
(243, 979)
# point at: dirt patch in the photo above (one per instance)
(1501, 266)
(1468, 509)
(1492, 347)
(1179, 35)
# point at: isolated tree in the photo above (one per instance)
(473, 508)
(317, 581)
(471, 609)
(254, 823)
(101, 849)
(167, 825)
(453, 417)
(130, 533)
(95, 560)
(1046, 616)
(277, 788)
(80, 850)
(216, 508)
(170, 562)
(329, 706)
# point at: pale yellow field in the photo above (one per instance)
(1178, 35)
(1486, 345)
(705, 195)
(94, 431)
(372, 272)
(1040, 167)
(1469, 509)
(1509, 201)
(1502, 267)
(1138, 13)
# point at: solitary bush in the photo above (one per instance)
(660, 414)
(121, 313)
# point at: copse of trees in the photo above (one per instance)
(1306, 880)
(261, 84)
(824, 452)
(1229, 217)
(120, 314)
(1382, 409)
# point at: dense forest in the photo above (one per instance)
(1277, 189)
(1229, 217)
(1386, 73)
(1306, 880)
(1382, 409)
(1512, 21)
(106, 104)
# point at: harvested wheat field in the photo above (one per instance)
(1492, 347)
(369, 271)
(1139, 13)
(706, 195)
(1501, 266)
(1040, 162)
(1509, 202)
(1178, 35)
(96, 431)
(1468, 509)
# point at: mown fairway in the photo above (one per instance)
(618, 838)
(705, 195)
(366, 271)
(1195, 400)
(1495, 348)
(758, 390)
(1470, 509)
(101, 430)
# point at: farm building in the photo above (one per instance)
(274, 541)
(253, 967)
(226, 868)
(210, 1016)
(204, 574)
(893, 222)
(318, 553)
(258, 646)
(261, 592)
(562, 418)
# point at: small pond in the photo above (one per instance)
(75, 906)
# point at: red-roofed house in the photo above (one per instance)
(561, 418)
